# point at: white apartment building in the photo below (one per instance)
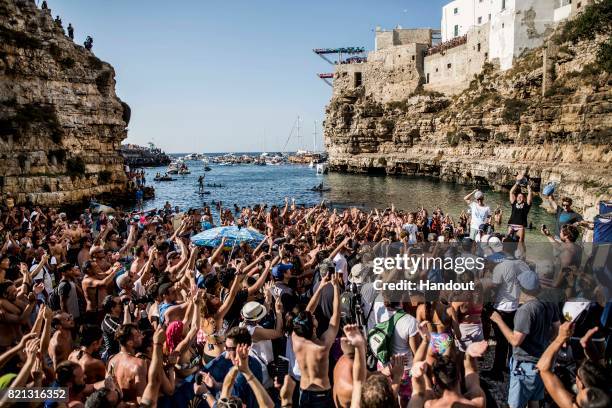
(459, 16)
(515, 25)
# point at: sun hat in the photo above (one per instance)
(478, 195)
(253, 311)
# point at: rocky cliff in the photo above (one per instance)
(61, 124)
(502, 124)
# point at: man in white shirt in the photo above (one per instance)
(411, 229)
(480, 213)
(40, 266)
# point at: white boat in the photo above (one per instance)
(312, 164)
(322, 168)
(173, 168)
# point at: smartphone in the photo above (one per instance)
(37, 281)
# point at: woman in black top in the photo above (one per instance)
(520, 208)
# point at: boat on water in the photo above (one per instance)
(206, 168)
(173, 168)
(165, 177)
(322, 168)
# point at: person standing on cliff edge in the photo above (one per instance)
(71, 31)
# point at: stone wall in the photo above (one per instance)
(452, 70)
(402, 36)
(389, 74)
(61, 123)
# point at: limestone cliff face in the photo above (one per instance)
(61, 124)
(500, 125)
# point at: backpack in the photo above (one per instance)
(381, 336)
(54, 298)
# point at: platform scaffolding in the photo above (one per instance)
(345, 55)
(327, 77)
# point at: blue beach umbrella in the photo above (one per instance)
(232, 234)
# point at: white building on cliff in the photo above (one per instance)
(459, 16)
(515, 25)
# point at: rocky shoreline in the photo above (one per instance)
(502, 124)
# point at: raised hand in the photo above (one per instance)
(159, 337)
(241, 358)
(477, 349)
(25, 339)
(584, 341)
(424, 330)
(353, 335)
(278, 307)
(31, 348)
(566, 330)
(418, 369)
(398, 361)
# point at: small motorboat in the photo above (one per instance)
(206, 168)
(320, 188)
(164, 178)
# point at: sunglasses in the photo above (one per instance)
(227, 348)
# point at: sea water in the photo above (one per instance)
(248, 184)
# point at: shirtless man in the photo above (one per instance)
(343, 375)
(94, 368)
(312, 354)
(61, 343)
(56, 249)
(94, 288)
(13, 313)
(129, 371)
(447, 378)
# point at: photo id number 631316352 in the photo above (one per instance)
(34, 394)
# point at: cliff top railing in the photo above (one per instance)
(447, 45)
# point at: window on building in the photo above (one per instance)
(479, 20)
(427, 78)
(503, 4)
(436, 69)
(456, 10)
(503, 25)
(486, 55)
(578, 5)
(489, 16)
(413, 57)
(456, 31)
(478, 47)
(449, 65)
(358, 80)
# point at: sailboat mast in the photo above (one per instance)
(298, 133)
(314, 138)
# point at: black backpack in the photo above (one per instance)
(54, 297)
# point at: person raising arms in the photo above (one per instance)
(312, 354)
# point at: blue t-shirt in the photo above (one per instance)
(220, 367)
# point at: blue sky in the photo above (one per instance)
(211, 76)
